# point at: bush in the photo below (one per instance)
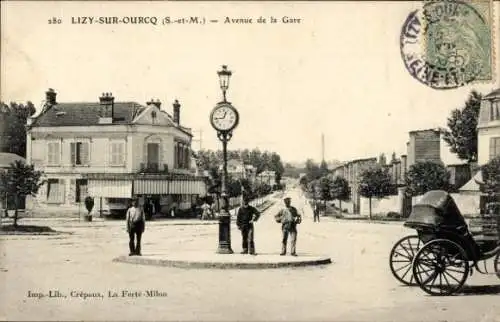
(392, 214)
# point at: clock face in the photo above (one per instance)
(224, 118)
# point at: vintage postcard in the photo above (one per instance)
(250, 161)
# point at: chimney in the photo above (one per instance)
(156, 103)
(107, 102)
(50, 97)
(177, 112)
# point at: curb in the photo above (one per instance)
(220, 265)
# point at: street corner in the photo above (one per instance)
(212, 260)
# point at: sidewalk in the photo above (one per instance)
(200, 252)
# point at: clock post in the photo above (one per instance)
(224, 119)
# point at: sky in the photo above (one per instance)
(338, 72)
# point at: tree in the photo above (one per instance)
(13, 124)
(340, 190)
(462, 124)
(375, 182)
(276, 165)
(491, 177)
(325, 185)
(20, 180)
(426, 176)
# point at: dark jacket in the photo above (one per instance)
(245, 215)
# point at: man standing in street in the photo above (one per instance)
(245, 218)
(316, 211)
(289, 219)
(136, 223)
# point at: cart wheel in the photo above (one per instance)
(496, 262)
(401, 258)
(441, 267)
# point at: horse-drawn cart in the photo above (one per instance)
(443, 253)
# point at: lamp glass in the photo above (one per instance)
(224, 76)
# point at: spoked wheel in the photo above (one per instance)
(496, 262)
(401, 258)
(441, 267)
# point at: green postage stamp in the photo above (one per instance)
(448, 44)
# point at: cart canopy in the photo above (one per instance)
(436, 209)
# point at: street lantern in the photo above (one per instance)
(224, 119)
(224, 76)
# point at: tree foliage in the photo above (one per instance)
(211, 160)
(462, 124)
(491, 177)
(13, 127)
(340, 188)
(20, 180)
(427, 176)
(375, 182)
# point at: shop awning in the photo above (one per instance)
(110, 188)
(152, 187)
(188, 187)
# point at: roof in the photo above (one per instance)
(434, 129)
(7, 158)
(495, 93)
(473, 184)
(86, 114)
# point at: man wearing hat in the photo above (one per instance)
(289, 219)
(245, 218)
(136, 222)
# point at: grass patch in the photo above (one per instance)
(26, 230)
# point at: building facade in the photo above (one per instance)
(488, 128)
(351, 171)
(112, 151)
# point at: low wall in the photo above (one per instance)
(468, 204)
(380, 206)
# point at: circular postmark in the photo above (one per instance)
(446, 44)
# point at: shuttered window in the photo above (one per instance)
(53, 153)
(55, 191)
(117, 153)
(79, 153)
(494, 147)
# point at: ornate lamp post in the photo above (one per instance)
(224, 119)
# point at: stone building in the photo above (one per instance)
(112, 151)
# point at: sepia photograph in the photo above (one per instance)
(250, 160)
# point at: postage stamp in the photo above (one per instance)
(448, 44)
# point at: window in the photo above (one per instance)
(79, 153)
(494, 147)
(55, 191)
(117, 153)
(80, 190)
(495, 110)
(53, 153)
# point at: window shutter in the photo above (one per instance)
(73, 153)
(121, 153)
(61, 190)
(57, 153)
(84, 154)
(112, 153)
(50, 153)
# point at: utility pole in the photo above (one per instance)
(200, 139)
